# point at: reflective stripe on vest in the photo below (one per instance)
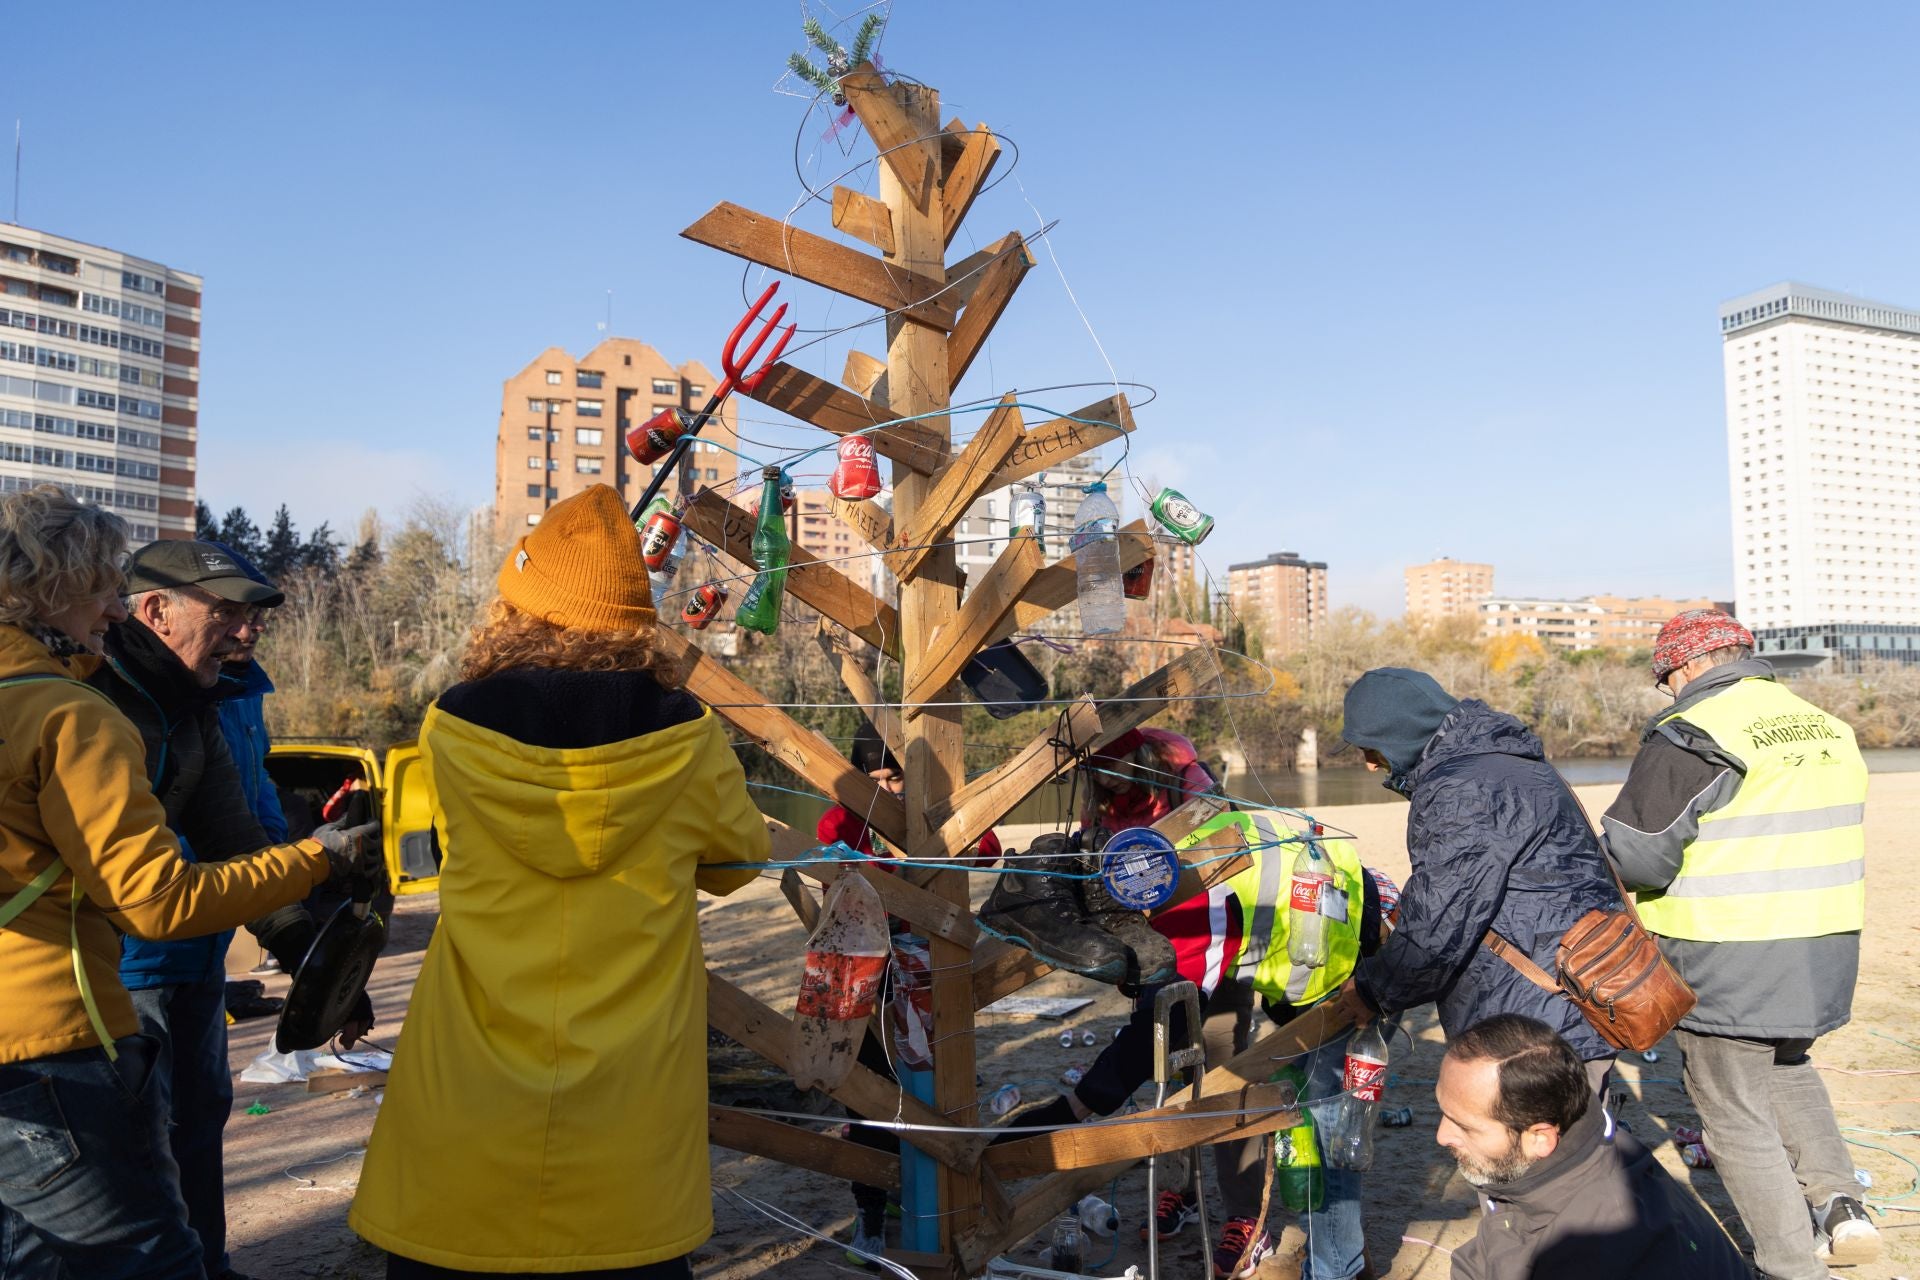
(1262, 891)
(1786, 858)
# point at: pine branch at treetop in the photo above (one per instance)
(863, 41)
(798, 64)
(819, 38)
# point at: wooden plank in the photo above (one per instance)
(963, 277)
(985, 306)
(335, 1081)
(771, 243)
(1190, 816)
(868, 519)
(985, 606)
(798, 748)
(918, 446)
(928, 1266)
(859, 682)
(1197, 880)
(739, 1130)
(911, 152)
(921, 528)
(966, 179)
(971, 811)
(1149, 1133)
(804, 904)
(1266, 1055)
(911, 903)
(865, 375)
(1054, 442)
(1000, 969)
(863, 218)
(1058, 585)
(730, 528)
(768, 1033)
(953, 144)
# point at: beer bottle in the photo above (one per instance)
(760, 607)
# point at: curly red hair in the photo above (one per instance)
(511, 638)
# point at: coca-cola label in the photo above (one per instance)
(856, 449)
(840, 988)
(1306, 891)
(1365, 1079)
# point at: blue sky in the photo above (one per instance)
(1410, 280)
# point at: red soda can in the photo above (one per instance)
(702, 605)
(657, 539)
(654, 439)
(858, 475)
(1137, 582)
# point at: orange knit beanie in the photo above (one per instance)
(580, 567)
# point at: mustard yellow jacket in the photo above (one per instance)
(547, 1106)
(74, 789)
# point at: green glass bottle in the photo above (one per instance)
(760, 608)
(1301, 1181)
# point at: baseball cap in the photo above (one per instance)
(180, 563)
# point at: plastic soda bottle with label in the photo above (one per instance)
(1096, 562)
(1306, 923)
(1298, 1174)
(1028, 516)
(846, 958)
(760, 607)
(1349, 1139)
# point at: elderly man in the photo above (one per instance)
(1740, 831)
(193, 607)
(1567, 1192)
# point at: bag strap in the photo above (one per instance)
(1600, 837)
(1520, 960)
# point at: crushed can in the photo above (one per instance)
(654, 439)
(1181, 518)
(658, 538)
(1397, 1117)
(703, 605)
(1137, 582)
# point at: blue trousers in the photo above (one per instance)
(88, 1188)
(193, 1089)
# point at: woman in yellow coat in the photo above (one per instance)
(547, 1107)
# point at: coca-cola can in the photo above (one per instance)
(654, 439)
(1137, 582)
(657, 539)
(703, 605)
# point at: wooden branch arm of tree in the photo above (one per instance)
(915, 160)
(986, 304)
(916, 445)
(1053, 442)
(1058, 584)
(1043, 1202)
(863, 218)
(1150, 1133)
(784, 247)
(966, 178)
(798, 748)
(730, 528)
(911, 903)
(1263, 1057)
(954, 644)
(953, 490)
(970, 812)
(859, 682)
(801, 1148)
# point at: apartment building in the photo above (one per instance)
(1635, 622)
(563, 425)
(1447, 588)
(1561, 624)
(1283, 598)
(100, 378)
(1823, 450)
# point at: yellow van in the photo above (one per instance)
(309, 770)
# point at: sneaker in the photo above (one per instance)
(1173, 1212)
(1240, 1252)
(1034, 907)
(1844, 1234)
(1151, 961)
(863, 1248)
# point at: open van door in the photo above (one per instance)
(306, 774)
(413, 855)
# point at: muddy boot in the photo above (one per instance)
(1037, 908)
(1152, 955)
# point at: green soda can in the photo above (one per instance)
(660, 503)
(1181, 518)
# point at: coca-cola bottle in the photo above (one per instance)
(1306, 924)
(857, 477)
(1347, 1141)
(846, 957)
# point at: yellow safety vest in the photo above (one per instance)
(1787, 858)
(1262, 890)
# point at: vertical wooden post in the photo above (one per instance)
(917, 383)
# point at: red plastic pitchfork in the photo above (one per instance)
(667, 424)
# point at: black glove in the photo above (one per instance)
(361, 1015)
(352, 852)
(289, 945)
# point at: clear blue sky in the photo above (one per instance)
(1410, 279)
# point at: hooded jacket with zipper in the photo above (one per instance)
(1789, 988)
(76, 791)
(1598, 1208)
(1497, 841)
(201, 787)
(547, 1106)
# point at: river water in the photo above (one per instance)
(1330, 786)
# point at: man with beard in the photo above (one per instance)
(1567, 1193)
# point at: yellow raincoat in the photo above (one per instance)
(547, 1107)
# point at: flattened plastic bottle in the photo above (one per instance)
(846, 958)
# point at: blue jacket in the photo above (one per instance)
(1497, 842)
(243, 726)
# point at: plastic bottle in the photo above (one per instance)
(1306, 927)
(1348, 1142)
(1299, 1177)
(1028, 517)
(846, 958)
(760, 607)
(1067, 1253)
(1003, 1099)
(1097, 1217)
(1096, 562)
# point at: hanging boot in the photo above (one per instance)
(1151, 954)
(1035, 907)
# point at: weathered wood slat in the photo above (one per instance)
(1051, 443)
(913, 156)
(985, 305)
(863, 218)
(966, 179)
(916, 445)
(1149, 1133)
(1058, 585)
(991, 599)
(922, 529)
(928, 911)
(789, 1144)
(859, 682)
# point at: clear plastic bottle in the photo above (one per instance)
(1096, 562)
(1306, 925)
(1028, 517)
(846, 958)
(1348, 1140)
(1097, 1217)
(1068, 1252)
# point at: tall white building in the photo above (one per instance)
(100, 378)
(1823, 452)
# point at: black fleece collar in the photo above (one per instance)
(1576, 1144)
(144, 659)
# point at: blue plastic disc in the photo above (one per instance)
(1140, 868)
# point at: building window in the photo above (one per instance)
(553, 464)
(587, 466)
(553, 377)
(533, 490)
(533, 517)
(662, 387)
(533, 434)
(536, 406)
(586, 435)
(694, 390)
(589, 408)
(627, 361)
(582, 378)
(534, 462)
